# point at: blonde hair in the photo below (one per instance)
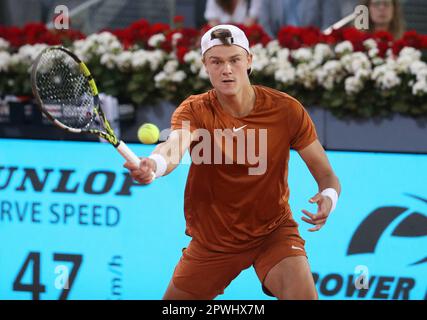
(397, 25)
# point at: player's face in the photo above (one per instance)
(227, 68)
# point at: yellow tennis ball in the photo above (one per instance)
(148, 133)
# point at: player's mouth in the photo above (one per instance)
(228, 81)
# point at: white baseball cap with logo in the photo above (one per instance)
(237, 38)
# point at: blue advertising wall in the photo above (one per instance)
(68, 210)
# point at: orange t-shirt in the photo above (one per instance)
(226, 208)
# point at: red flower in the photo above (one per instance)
(382, 36)
(290, 37)
(15, 36)
(413, 39)
(424, 41)
(398, 46)
(356, 37)
(332, 38)
(190, 38)
(409, 39)
(255, 34)
(139, 24)
(310, 36)
(178, 19)
(180, 53)
(158, 28)
(384, 41)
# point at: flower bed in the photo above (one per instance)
(349, 72)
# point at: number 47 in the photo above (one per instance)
(36, 287)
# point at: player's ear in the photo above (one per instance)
(249, 70)
(204, 64)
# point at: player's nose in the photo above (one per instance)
(227, 69)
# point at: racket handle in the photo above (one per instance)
(127, 153)
(130, 156)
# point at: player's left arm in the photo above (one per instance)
(317, 162)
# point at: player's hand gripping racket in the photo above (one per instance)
(67, 94)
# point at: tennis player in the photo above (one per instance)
(236, 217)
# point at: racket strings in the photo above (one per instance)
(65, 91)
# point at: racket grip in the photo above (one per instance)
(130, 156)
(127, 153)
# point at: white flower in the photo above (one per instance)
(108, 60)
(32, 51)
(376, 61)
(194, 59)
(302, 55)
(329, 74)
(344, 48)
(261, 60)
(355, 61)
(321, 53)
(363, 74)
(373, 52)
(370, 44)
(170, 66)
(283, 70)
(156, 40)
(192, 56)
(139, 59)
(4, 61)
(417, 67)
(175, 38)
(4, 44)
(386, 77)
(406, 58)
(27, 54)
(178, 76)
(285, 75)
(159, 78)
(170, 73)
(152, 58)
(96, 45)
(261, 64)
(124, 60)
(353, 85)
(282, 59)
(203, 74)
(156, 58)
(410, 52)
(305, 75)
(273, 47)
(420, 87)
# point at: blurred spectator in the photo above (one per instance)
(275, 14)
(385, 15)
(232, 11)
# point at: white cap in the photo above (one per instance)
(238, 38)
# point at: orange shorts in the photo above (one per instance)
(205, 274)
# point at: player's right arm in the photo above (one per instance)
(172, 151)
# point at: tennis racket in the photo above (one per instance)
(68, 96)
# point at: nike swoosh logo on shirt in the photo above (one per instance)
(296, 248)
(235, 130)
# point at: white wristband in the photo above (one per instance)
(333, 195)
(161, 164)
